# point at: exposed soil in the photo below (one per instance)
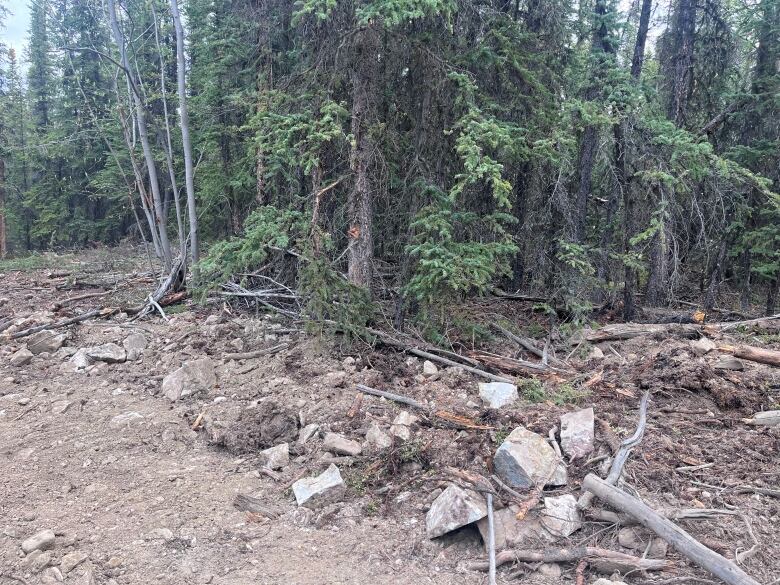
(113, 491)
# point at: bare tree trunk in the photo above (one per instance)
(638, 58)
(684, 30)
(657, 281)
(771, 296)
(715, 277)
(140, 116)
(361, 246)
(189, 170)
(3, 236)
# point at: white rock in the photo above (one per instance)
(307, 433)
(60, 406)
(455, 507)
(43, 540)
(429, 368)
(315, 492)
(596, 354)
(110, 353)
(525, 459)
(276, 457)
(45, 341)
(561, 516)
(550, 570)
(80, 359)
(126, 419)
(134, 345)
(71, 560)
(402, 425)
(702, 346)
(766, 418)
(21, 358)
(340, 445)
(192, 378)
(498, 394)
(159, 534)
(377, 437)
(578, 435)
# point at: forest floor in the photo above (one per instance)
(144, 498)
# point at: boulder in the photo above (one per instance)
(315, 492)
(340, 445)
(42, 540)
(45, 341)
(509, 531)
(561, 516)
(702, 346)
(525, 459)
(429, 368)
(276, 457)
(192, 378)
(377, 438)
(498, 394)
(454, 508)
(402, 425)
(110, 353)
(21, 357)
(578, 434)
(135, 345)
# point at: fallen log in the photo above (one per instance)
(683, 542)
(59, 304)
(626, 331)
(248, 355)
(604, 560)
(761, 355)
(507, 364)
(65, 322)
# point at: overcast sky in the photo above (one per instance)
(16, 24)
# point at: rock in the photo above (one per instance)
(37, 561)
(635, 538)
(43, 540)
(80, 359)
(551, 570)
(135, 345)
(159, 534)
(729, 363)
(45, 341)
(595, 354)
(702, 346)
(524, 459)
(276, 457)
(307, 433)
(429, 368)
(315, 492)
(376, 437)
(455, 507)
(114, 562)
(578, 434)
(192, 378)
(402, 425)
(110, 353)
(212, 320)
(71, 560)
(766, 418)
(497, 394)
(604, 581)
(336, 379)
(509, 531)
(126, 419)
(340, 445)
(561, 516)
(51, 576)
(60, 406)
(21, 358)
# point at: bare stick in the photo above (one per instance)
(390, 396)
(491, 541)
(447, 362)
(605, 560)
(669, 531)
(65, 322)
(254, 354)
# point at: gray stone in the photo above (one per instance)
(80, 359)
(509, 531)
(159, 534)
(126, 419)
(376, 437)
(315, 492)
(60, 406)
(596, 354)
(525, 459)
(340, 445)
(71, 560)
(766, 418)
(702, 346)
(110, 353)
(402, 425)
(729, 363)
(51, 576)
(192, 378)
(46, 341)
(335, 379)
(41, 541)
(497, 394)
(578, 433)
(550, 570)
(429, 368)
(135, 345)
(561, 516)
(603, 581)
(636, 538)
(454, 508)
(276, 457)
(37, 561)
(21, 358)
(307, 433)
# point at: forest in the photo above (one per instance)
(420, 152)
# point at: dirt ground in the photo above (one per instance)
(148, 499)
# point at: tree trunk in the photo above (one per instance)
(684, 31)
(184, 117)
(716, 274)
(3, 236)
(771, 296)
(638, 58)
(364, 90)
(657, 282)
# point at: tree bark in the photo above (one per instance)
(3, 235)
(684, 31)
(715, 276)
(360, 201)
(638, 57)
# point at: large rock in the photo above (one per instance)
(703, 345)
(578, 433)
(315, 492)
(498, 394)
(509, 531)
(561, 516)
(45, 341)
(192, 378)
(340, 445)
(43, 540)
(454, 508)
(135, 345)
(110, 353)
(21, 358)
(276, 457)
(525, 459)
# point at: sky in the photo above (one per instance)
(15, 32)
